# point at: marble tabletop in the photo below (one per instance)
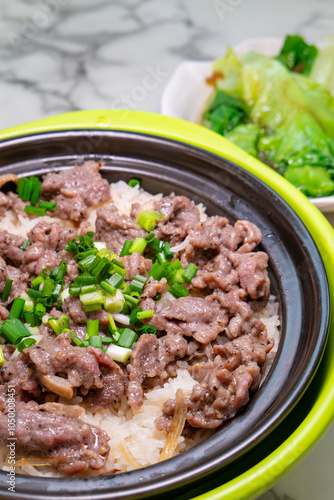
(64, 55)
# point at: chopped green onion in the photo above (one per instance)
(75, 338)
(48, 287)
(157, 297)
(118, 353)
(2, 357)
(47, 205)
(85, 279)
(156, 245)
(145, 314)
(25, 244)
(26, 190)
(138, 245)
(111, 290)
(178, 290)
(133, 316)
(148, 219)
(138, 283)
(92, 298)
(95, 341)
(92, 328)
(6, 290)
(167, 251)
(190, 272)
(161, 258)
(131, 300)
(34, 210)
(88, 262)
(92, 307)
(16, 308)
(114, 334)
(54, 323)
(126, 248)
(107, 340)
(112, 322)
(35, 192)
(37, 281)
(115, 280)
(127, 339)
(13, 330)
(74, 290)
(87, 289)
(147, 329)
(114, 304)
(26, 343)
(59, 273)
(134, 182)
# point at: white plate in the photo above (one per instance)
(187, 92)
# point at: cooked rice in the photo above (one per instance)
(124, 424)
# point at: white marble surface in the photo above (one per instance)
(64, 55)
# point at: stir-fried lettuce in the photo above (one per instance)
(280, 110)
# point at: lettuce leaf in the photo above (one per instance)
(323, 68)
(312, 181)
(297, 55)
(224, 113)
(246, 137)
(299, 141)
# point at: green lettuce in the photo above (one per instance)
(224, 113)
(246, 137)
(297, 55)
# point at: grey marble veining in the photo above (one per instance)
(65, 55)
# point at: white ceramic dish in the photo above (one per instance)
(187, 92)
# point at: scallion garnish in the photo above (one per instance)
(138, 283)
(138, 245)
(118, 353)
(146, 329)
(126, 248)
(92, 328)
(148, 219)
(26, 343)
(47, 205)
(145, 314)
(178, 290)
(134, 182)
(13, 330)
(190, 272)
(2, 357)
(95, 341)
(25, 244)
(16, 308)
(93, 299)
(6, 290)
(127, 339)
(35, 210)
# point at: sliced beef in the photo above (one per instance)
(71, 445)
(47, 247)
(62, 367)
(181, 215)
(113, 381)
(20, 373)
(135, 264)
(20, 281)
(196, 318)
(75, 189)
(218, 273)
(144, 362)
(218, 396)
(10, 247)
(253, 274)
(114, 229)
(153, 287)
(70, 208)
